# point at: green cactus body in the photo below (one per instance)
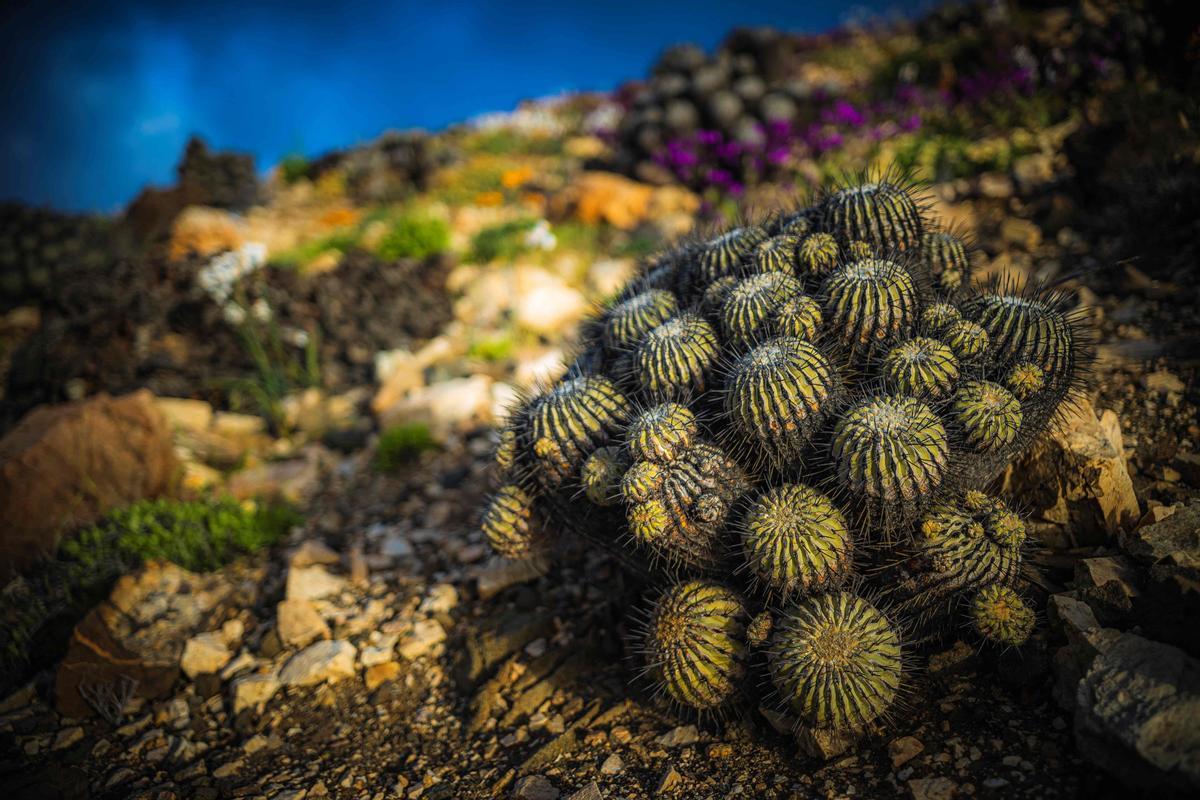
(725, 254)
(967, 339)
(506, 450)
(1000, 616)
(753, 309)
(797, 225)
(921, 367)
(678, 509)
(937, 317)
(572, 420)
(662, 433)
(965, 545)
(818, 254)
(871, 302)
(988, 414)
(795, 540)
(1028, 329)
(676, 359)
(892, 449)
(947, 261)
(508, 522)
(881, 213)
(778, 393)
(629, 321)
(695, 645)
(777, 254)
(1025, 380)
(602, 473)
(836, 661)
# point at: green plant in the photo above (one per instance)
(414, 234)
(279, 368)
(504, 242)
(293, 168)
(492, 348)
(303, 254)
(400, 444)
(799, 410)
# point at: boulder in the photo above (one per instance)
(62, 467)
(1077, 478)
(1138, 713)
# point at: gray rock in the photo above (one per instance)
(1138, 713)
(424, 636)
(252, 691)
(613, 765)
(298, 623)
(312, 583)
(1175, 539)
(318, 663)
(679, 737)
(589, 792)
(932, 788)
(534, 787)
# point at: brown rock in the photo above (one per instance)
(62, 467)
(1078, 478)
(378, 674)
(596, 197)
(132, 642)
(201, 231)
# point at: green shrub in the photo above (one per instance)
(415, 235)
(402, 443)
(504, 241)
(493, 348)
(303, 254)
(506, 141)
(293, 168)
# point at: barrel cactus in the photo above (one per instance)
(786, 433)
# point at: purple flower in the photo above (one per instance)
(910, 123)
(709, 138)
(729, 151)
(777, 155)
(720, 177)
(846, 114)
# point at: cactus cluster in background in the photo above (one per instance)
(786, 432)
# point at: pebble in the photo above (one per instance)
(67, 737)
(441, 599)
(589, 792)
(932, 788)
(298, 623)
(205, 653)
(679, 737)
(312, 583)
(229, 768)
(324, 661)
(379, 674)
(613, 765)
(904, 749)
(424, 636)
(535, 787)
(251, 691)
(669, 781)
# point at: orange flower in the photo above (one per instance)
(515, 177)
(489, 199)
(339, 217)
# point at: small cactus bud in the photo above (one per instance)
(642, 481)
(1001, 616)
(725, 254)
(629, 321)
(798, 224)
(836, 661)
(967, 339)
(937, 317)
(1025, 380)
(602, 473)
(858, 250)
(506, 450)
(572, 420)
(752, 308)
(966, 545)
(947, 261)
(882, 213)
(891, 448)
(694, 644)
(921, 367)
(662, 433)
(989, 415)
(508, 522)
(778, 393)
(777, 254)
(870, 303)
(796, 540)
(676, 359)
(1026, 329)
(818, 254)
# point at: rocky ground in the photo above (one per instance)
(380, 650)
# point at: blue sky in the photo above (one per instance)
(98, 98)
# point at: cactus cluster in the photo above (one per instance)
(786, 429)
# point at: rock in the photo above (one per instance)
(253, 691)
(613, 765)
(132, 643)
(441, 599)
(379, 674)
(452, 406)
(1074, 620)
(595, 197)
(1163, 382)
(1021, 233)
(204, 655)
(424, 636)
(933, 788)
(313, 552)
(1077, 477)
(501, 574)
(324, 661)
(1033, 171)
(550, 308)
(589, 792)
(904, 749)
(1175, 539)
(824, 743)
(1108, 585)
(669, 781)
(312, 583)
(679, 737)
(119, 448)
(400, 374)
(608, 276)
(185, 414)
(293, 479)
(1138, 713)
(298, 623)
(204, 232)
(68, 737)
(994, 184)
(534, 787)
